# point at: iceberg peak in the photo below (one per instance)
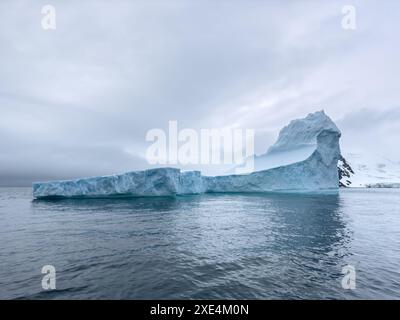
(303, 132)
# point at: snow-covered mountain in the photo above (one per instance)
(345, 172)
(366, 170)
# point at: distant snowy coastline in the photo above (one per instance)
(383, 185)
(368, 171)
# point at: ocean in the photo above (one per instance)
(212, 246)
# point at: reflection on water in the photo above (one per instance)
(127, 204)
(206, 246)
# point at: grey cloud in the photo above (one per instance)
(74, 100)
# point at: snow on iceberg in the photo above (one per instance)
(304, 159)
(296, 142)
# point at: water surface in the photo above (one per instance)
(202, 247)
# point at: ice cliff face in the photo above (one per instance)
(153, 182)
(307, 148)
(302, 133)
(296, 142)
(318, 172)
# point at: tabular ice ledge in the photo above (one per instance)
(304, 159)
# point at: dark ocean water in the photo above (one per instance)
(207, 247)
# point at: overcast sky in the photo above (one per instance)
(78, 100)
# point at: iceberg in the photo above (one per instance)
(303, 159)
(297, 141)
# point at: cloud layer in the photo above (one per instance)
(78, 101)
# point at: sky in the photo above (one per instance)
(78, 101)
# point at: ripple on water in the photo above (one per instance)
(207, 247)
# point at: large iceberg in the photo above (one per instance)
(304, 159)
